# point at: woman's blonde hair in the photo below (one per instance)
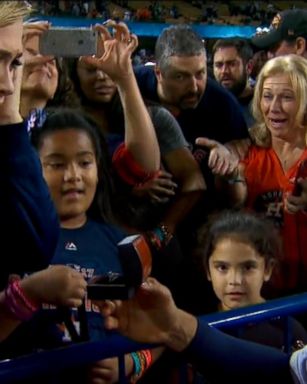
(11, 11)
(295, 67)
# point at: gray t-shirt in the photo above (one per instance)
(169, 133)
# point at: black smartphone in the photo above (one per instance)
(111, 286)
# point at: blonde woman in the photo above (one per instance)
(271, 178)
(27, 214)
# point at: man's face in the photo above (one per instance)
(229, 70)
(10, 57)
(183, 83)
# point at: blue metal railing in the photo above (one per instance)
(48, 362)
(256, 313)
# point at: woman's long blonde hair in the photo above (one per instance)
(296, 68)
(11, 11)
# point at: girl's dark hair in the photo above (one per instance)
(242, 226)
(65, 94)
(67, 118)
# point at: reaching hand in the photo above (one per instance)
(114, 52)
(145, 318)
(158, 189)
(239, 147)
(151, 317)
(221, 160)
(58, 284)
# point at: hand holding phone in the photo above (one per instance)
(300, 174)
(114, 51)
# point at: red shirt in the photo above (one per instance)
(267, 183)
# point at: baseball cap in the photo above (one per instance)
(286, 25)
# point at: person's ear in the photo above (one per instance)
(158, 73)
(300, 46)
(268, 270)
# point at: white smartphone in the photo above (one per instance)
(68, 42)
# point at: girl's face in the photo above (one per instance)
(70, 170)
(279, 106)
(237, 273)
(96, 85)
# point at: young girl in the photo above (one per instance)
(77, 170)
(239, 252)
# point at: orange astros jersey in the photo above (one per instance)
(267, 183)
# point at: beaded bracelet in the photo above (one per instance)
(166, 233)
(18, 303)
(154, 240)
(160, 236)
(19, 292)
(137, 364)
(142, 361)
(148, 357)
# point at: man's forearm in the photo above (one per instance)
(183, 331)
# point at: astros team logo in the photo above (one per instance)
(276, 22)
(271, 204)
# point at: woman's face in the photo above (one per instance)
(40, 76)
(70, 170)
(237, 273)
(10, 58)
(279, 106)
(96, 85)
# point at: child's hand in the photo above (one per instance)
(58, 284)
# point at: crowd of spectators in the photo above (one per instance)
(218, 12)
